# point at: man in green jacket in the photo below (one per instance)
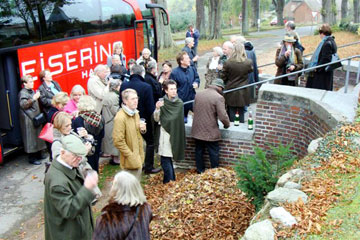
(68, 197)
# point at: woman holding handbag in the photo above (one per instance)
(29, 109)
(128, 215)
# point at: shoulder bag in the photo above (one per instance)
(38, 120)
(47, 133)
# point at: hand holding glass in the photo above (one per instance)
(142, 125)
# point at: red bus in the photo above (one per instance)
(69, 37)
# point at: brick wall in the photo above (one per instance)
(283, 115)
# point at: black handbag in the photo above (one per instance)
(38, 120)
(334, 58)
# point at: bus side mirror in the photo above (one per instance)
(165, 18)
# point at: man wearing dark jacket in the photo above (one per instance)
(187, 80)
(146, 108)
(194, 33)
(150, 78)
(209, 106)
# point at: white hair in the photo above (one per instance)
(77, 88)
(146, 50)
(100, 68)
(188, 40)
(86, 104)
(218, 50)
(126, 190)
(228, 44)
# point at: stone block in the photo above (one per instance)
(292, 185)
(293, 175)
(283, 195)
(313, 146)
(260, 231)
(280, 215)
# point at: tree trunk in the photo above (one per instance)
(356, 11)
(328, 11)
(215, 19)
(344, 9)
(200, 18)
(163, 32)
(255, 7)
(279, 6)
(245, 21)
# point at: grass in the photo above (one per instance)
(342, 221)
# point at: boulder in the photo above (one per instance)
(263, 230)
(280, 215)
(294, 175)
(314, 145)
(282, 195)
(292, 185)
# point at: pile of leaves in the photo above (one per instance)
(338, 156)
(199, 206)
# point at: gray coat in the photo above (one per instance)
(29, 133)
(109, 110)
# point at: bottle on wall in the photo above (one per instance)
(250, 121)
(237, 119)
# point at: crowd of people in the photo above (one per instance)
(128, 103)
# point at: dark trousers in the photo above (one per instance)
(187, 108)
(149, 153)
(232, 111)
(34, 156)
(213, 150)
(168, 168)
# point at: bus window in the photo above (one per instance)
(116, 14)
(72, 18)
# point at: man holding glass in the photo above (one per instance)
(126, 134)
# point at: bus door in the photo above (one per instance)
(144, 37)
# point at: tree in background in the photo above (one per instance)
(215, 19)
(245, 21)
(279, 7)
(163, 32)
(356, 11)
(328, 11)
(200, 18)
(344, 9)
(255, 7)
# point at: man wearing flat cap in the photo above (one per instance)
(68, 197)
(209, 106)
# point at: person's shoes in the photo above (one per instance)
(112, 162)
(153, 171)
(104, 155)
(35, 162)
(185, 120)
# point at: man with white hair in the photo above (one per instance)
(228, 49)
(68, 196)
(97, 85)
(189, 44)
(145, 58)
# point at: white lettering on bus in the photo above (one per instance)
(103, 50)
(56, 64)
(84, 74)
(96, 52)
(30, 70)
(42, 65)
(70, 60)
(83, 58)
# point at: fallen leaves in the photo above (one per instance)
(199, 206)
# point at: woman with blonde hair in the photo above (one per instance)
(76, 93)
(128, 215)
(118, 49)
(58, 102)
(235, 74)
(89, 120)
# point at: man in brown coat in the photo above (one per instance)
(209, 106)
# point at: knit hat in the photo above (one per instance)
(218, 82)
(74, 145)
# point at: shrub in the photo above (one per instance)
(350, 27)
(259, 173)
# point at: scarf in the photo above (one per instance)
(128, 111)
(91, 117)
(172, 120)
(315, 57)
(292, 60)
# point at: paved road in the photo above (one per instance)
(21, 184)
